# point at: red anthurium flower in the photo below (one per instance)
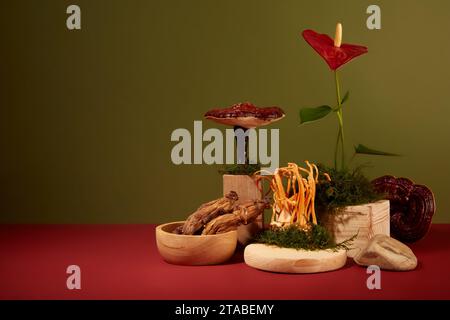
(332, 51)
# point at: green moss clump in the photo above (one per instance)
(316, 238)
(240, 169)
(346, 188)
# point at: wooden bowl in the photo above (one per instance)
(287, 260)
(194, 250)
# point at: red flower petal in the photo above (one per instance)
(334, 56)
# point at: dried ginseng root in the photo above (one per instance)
(243, 214)
(208, 211)
(222, 224)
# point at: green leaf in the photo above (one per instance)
(345, 98)
(313, 114)
(362, 149)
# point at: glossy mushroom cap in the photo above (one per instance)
(245, 115)
(412, 207)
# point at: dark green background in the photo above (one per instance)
(86, 116)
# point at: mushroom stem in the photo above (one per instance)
(246, 142)
(338, 35)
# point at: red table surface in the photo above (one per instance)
(122, 262)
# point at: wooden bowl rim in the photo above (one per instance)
(192, 236)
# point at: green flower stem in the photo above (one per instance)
(340, 116)
(337, 148)
(341, 126)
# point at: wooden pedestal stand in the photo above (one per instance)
(246, 189)
(287, 260)
(364, 220)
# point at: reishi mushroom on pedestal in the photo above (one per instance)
(245, 116)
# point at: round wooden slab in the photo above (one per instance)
(286, 260)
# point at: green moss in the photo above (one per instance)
(317, 238)
(243, 169)
(346, 188)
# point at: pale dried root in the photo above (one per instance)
(243, 214)
(209, 211)
(221, 224)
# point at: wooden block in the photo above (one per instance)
(364, 220)
(246, 189)
(287, 260)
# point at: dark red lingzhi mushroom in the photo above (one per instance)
(412, 207)
(245, 115)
